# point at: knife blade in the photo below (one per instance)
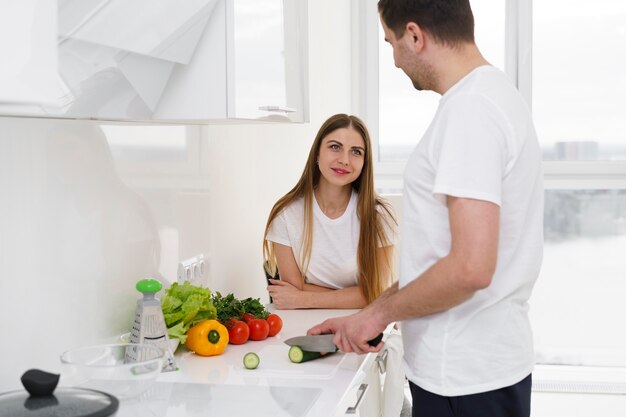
(322, 342)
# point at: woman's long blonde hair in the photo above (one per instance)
(373, 223)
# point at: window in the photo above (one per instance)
(146, 143)
(578, 91)
(154, 149)
(577, 304)
(576, 85)
(579, 82)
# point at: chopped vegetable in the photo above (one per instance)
(207, 338)
(184, 306)
(298, 355)
(251, 360)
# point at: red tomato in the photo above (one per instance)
(238, 332)
(247, 317)
(276, 323)
(259, 329)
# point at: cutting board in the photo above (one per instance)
(274, 362)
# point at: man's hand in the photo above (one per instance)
(352, 332)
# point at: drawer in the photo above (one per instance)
(363, 399)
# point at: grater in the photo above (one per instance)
(149, 325)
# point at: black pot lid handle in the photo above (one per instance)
(39, 383)
(43, 398)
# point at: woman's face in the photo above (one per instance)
(341, 156)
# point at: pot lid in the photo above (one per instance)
(40, 400)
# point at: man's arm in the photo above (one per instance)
(469, 267)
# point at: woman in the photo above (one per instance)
(331, 237)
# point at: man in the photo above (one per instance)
(471, 233)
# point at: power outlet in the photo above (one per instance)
(192, 269)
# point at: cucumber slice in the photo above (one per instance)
(298, 355)
(251, 360)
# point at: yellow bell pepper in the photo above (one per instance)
(207, 338)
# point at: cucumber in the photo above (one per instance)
(251, 360)
(298, 355)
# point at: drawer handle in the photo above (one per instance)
(359, 396)
(381, 360)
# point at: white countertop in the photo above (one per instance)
(221, 386)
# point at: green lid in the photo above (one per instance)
(148, 285)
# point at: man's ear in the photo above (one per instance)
(415, 35)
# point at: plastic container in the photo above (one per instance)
(107, 368)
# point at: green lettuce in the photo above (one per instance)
(184, 306)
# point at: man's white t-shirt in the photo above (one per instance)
(481, 145)
(333, 262)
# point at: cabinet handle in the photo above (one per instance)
(359, 396)
(277, 109)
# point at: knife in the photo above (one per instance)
(322, 342)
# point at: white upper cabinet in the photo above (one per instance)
(28, 68)
(268, 79)
(172, 61)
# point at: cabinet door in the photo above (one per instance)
(266, 54)
(28, 75)
(364, 398)
(190, 61)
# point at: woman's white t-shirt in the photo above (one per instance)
(333, 262)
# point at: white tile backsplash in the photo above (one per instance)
(75, 237)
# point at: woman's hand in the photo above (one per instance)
(284, 295)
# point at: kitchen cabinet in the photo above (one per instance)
(363, 398)
(191, 62)
(266, 59)
(220, 385)
(28, 72)
(251, 66)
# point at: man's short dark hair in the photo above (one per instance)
(448, 21)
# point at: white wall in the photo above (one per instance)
(79, 226)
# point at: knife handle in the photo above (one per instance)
(375, 341)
